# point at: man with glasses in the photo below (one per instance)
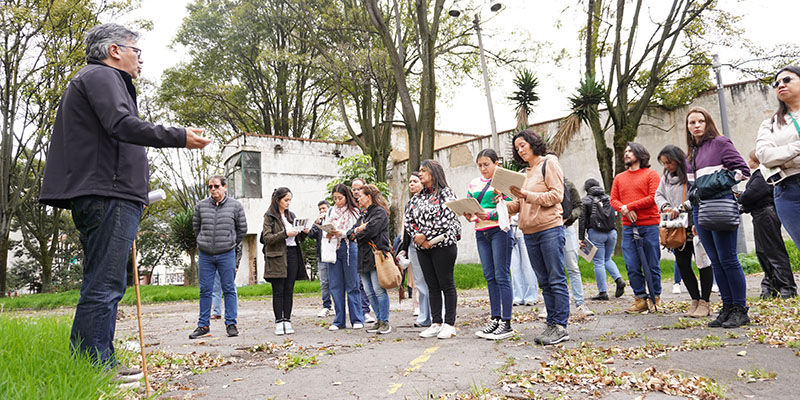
(97, 167)
(220, 225)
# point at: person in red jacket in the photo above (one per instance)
(633, 196)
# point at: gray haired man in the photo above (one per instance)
(97, 167)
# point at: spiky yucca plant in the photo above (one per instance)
(590, 95)
(525, 96)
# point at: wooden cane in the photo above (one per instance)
(139, 318)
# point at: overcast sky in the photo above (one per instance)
(464, 108)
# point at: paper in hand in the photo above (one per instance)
(437, 239)
(587, 251)
(464, 206)
(503, 179)
(327, 228)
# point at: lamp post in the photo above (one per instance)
(494, 6)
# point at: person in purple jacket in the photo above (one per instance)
(714, 166)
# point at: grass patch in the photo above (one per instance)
(685, 323)
(36, 363)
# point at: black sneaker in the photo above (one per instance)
(375, 327)
(601, 296)
(503, 331)
(737, 318)
(385, 328)
(489, 329)
(200, 332)
(620, 287)
(723, 316)
(232, 331)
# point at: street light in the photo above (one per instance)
(494, 6)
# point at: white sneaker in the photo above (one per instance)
(279, 329)
(287, 327)
(715, 288)
(584, 309)
(432, 330)
(676, 288)
(369, 319)
(333, 328)
(543, 313)
(324, 312)
(416, 311)
(358, 326)
(447, 331)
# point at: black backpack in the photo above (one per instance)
(566, 202)
(602, 217)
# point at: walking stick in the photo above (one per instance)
(139, 318)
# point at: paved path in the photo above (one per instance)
(350, 364)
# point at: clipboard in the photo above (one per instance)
(503, 179)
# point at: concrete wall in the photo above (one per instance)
(748, 104)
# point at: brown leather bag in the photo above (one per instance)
(389, 274)
(673, 238)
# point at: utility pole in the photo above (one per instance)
(477, 24)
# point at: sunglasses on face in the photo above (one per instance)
(785, 80)
(214, 187)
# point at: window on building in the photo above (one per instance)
(243, 171)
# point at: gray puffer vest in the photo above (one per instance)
(219, 228)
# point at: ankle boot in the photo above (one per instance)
(620, 287)
(639, 305)
(703, 310)
(692, 309)
(722, 317)
(737, 318)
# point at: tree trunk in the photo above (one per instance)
(5, 222)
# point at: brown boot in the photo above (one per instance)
(703, 310)
(651, 307)
(640, 305)
(692, 309)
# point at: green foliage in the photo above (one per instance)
(686, 84)
(309, 249)
(358, 166)
(525, 96)
(182, 234)
(590, 94)
(36, 363)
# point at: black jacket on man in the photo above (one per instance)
(97, 147)
(757, 193)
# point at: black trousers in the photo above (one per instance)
(283, 288)
(437, 266)
(684, 259)
(771, 253)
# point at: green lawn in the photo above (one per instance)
(467, 276)
(28, 344)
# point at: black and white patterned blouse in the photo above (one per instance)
(427, 214)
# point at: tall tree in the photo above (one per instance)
(43, 47)
(249, 69)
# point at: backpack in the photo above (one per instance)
(602, 217)
(566, 201)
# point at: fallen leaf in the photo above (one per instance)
(742, 353)
(336, 383)
(279, 382)
(237, 379)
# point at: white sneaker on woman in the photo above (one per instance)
(432, 330)
(287, 326)
(447, 331)
(279, 329)
(676, 288)
(369, 319)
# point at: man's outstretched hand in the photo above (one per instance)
(193, 140)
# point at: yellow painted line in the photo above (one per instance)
(414, 365)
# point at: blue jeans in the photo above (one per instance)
(787, 205)
(523, 280)
(602, 262)
(721, 249)
(107, 229)
(377, 295)
(546, 252)
(634, 264)
(571, 264)
(324, 289)
(494, 249)
(343, 280)
(208, 266)
(424, 317)
(216, 296)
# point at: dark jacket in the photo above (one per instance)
(577, 205)
(757, 193)
(316, 233)
(97, 147)
(595, 193)
(719, 167)
(273, 236)
(376, 231)
(219, 227)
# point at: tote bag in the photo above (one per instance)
(389, 274)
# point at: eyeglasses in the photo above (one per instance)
(136, 49)
(214, 187)
(785, 80)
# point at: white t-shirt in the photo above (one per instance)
(288, 226)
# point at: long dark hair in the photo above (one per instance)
(677, 155)
(641, 154)
(711, 129)
(538, 145)
(439, 181)
(349, 200)
(278, 195)
(376, 196)
(783, 109)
